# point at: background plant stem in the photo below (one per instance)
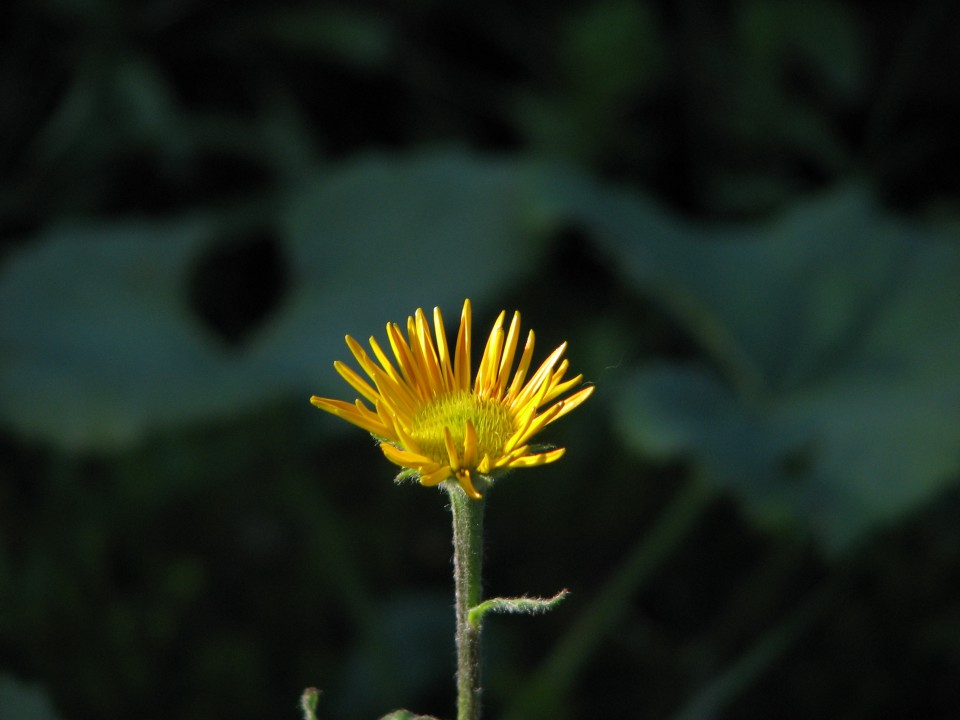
(552, 686)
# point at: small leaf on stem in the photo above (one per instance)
(520, 605)
(308, 702)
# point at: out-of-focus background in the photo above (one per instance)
(743, 216)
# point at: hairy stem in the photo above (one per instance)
(467, 558)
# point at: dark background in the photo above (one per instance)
(743, 216)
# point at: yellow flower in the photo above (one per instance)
(437, 422)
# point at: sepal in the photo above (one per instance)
(407, 474)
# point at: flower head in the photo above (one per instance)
(436, 420)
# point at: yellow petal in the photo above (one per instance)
(466, 482)
(540, 459)
(349, 412)
(522, 367)
(427, 354)
(541, 377)
(385, 363)
(541, 421)
(405, 458)
(490, 360)
(574, 401)
(451, 449)
(435, 477)
(469, 444)
(407, 365)
(461, 360)
(443, 350)
(355, 381)
(509, 351)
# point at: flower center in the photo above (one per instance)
(492, 421)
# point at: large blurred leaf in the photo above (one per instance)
(836, 336)
(371, 243)
(99, 345)
(350, 35)
(610, 58)
(416, 656)
(22, 701)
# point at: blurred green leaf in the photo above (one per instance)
(834, 329)
(100, 345)
(344, 34)
(610, 57)
(381, 237)
(612, 49)
(766, 101)
(144, 103)
(22, 701)
(416, 655)
(822, 36)
(98, 341)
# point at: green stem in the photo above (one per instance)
(548, 690)
(714, 698)
(467, 559)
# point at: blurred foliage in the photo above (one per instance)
(24, 702)
(140, 357)
(743, 216)
(836, 330)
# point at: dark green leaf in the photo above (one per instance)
(100, 345)
(837, 400)
(24, 701)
